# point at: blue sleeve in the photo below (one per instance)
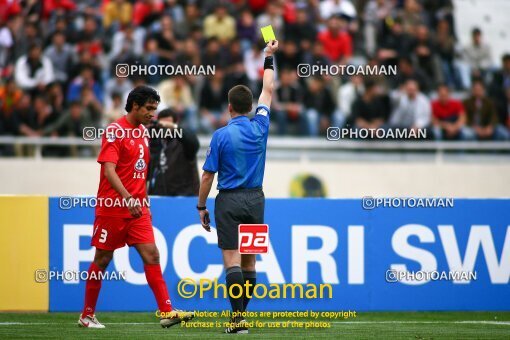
(212, 156)
(262, 117)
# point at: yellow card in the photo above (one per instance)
(267, 33)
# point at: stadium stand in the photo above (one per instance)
(58, 63)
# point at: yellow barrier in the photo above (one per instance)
(23, 249)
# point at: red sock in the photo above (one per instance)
(92, 288)
(158, 286)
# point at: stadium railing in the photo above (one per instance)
(294, 147)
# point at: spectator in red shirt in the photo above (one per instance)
(337, 42)
(147, 11)
(257, 6)
(9, 9)
(448, 116)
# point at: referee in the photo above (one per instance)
(238, 153)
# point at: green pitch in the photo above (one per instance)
(402, 325)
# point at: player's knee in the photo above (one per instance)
(102, 260)
(152, 256)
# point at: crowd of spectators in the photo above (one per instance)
(58, 59)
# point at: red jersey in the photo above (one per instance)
(127, 146)
(447, 111)
(336, 47)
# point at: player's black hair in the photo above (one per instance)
(241, 99)
(169, 113)
(141, 95)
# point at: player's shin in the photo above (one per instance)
(92, 288)
(157, 284)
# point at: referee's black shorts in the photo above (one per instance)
(234, 207)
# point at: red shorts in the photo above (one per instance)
(111, 233)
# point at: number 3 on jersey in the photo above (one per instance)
(141, 150)
(140, 165)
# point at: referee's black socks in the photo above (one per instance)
(251, 278)
(235, 277)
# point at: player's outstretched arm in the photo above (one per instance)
(268, 78)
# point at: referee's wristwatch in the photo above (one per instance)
(201, 208)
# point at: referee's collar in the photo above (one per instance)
(237, 118)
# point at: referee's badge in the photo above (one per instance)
(262, 111)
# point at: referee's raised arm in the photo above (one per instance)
(268, 78)
(237, 152)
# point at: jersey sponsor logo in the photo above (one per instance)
(262, 111)
(140, 165)
(253, 238)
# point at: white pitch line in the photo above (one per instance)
(473, 322)
(506, 323)
(26, 323)
(56, 323)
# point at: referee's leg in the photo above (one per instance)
(225, 211)
(249, 275)
(254, 202)
(234, 278)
